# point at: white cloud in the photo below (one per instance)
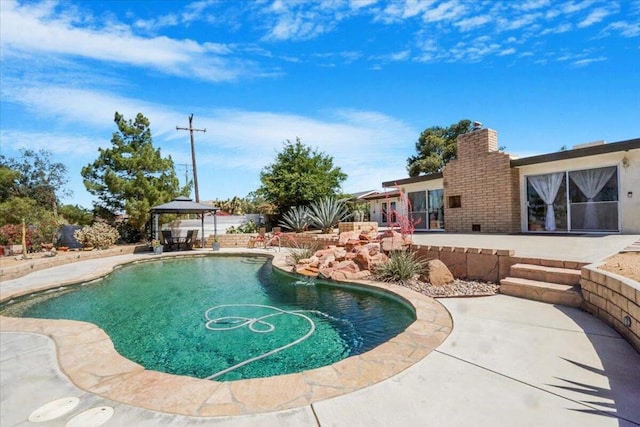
(38, 29)
(415, 7)
(506, 52)
(594, 17)
(57, 143)
(624, 28)
(562, 28)
(587, 61)
(449, 10)
(522, 21)
(533, 4)
(572, 6)
(472, 23)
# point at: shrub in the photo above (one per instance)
(128, 233)
(98, 235)
(401, 267)
(300, 250)
(249, 227)
(327, 213)
(296, 219)
(11, 234)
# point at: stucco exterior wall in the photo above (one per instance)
(629, 181)
(375, 208)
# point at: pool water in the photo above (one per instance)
(224, 318)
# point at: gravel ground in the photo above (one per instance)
(459, 288)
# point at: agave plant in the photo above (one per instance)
(327, 213)
(296, 219)
(401, 267)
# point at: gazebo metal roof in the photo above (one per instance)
(182, 204)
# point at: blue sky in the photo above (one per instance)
(358, 80)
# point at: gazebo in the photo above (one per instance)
(183, 205)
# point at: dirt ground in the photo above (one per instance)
(625, 264)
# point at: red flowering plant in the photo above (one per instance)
(402, 220)
(11, 234)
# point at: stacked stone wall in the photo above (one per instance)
(487, 187)
(613, 299)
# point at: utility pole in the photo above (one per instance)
(186, 167)
(193, 154)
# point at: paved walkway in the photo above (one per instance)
(507, 362)
(586, 248)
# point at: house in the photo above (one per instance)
(592, 188)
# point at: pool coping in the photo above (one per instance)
(87, 356)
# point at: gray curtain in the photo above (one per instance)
(547, 188)
(590, 182)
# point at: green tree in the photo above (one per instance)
(131, 176)
(8, 181)
(299, 176)
(35, 176)
(75, 214)
(14, 209)
(435, 147)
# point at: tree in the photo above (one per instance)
(299, 176)
(35, 176)
(435, 147)
(75, 214)
(131, 176)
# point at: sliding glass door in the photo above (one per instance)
(418, 201)
(427, 209)
(593, 195)
(581, 200)
(436, 209)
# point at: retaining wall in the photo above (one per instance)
(614, 299)
(27, 266)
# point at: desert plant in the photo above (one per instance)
(296, 219)
(401, 267)
(300, 249)
(98, 235)
(327, 213)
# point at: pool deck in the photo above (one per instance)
(506, 362)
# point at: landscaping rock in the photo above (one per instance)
(437, 273)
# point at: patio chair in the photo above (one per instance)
(190, 239)
(166, 239)
(259, 239)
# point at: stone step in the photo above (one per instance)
(564, 276)
(552, 293)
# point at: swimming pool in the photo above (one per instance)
(202, 317)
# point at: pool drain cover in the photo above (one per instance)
(53, 410)
(93, 417)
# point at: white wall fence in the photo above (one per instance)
(179, 227)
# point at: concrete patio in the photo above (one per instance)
(507, 362)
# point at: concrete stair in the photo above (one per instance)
(553, 285)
